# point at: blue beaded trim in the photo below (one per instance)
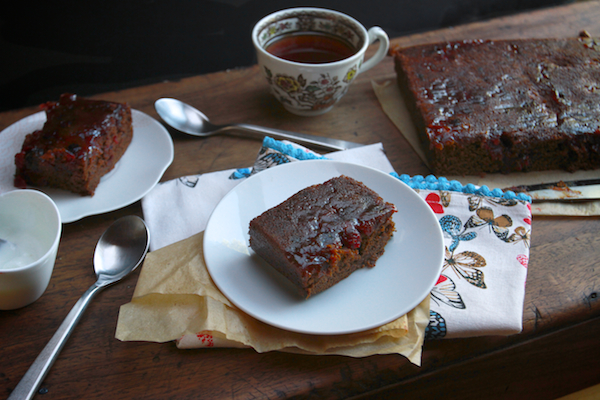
(416, 182)
(290, 150)
(430, 182)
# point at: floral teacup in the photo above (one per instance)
(310, 87)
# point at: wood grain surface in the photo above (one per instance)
(556, 353)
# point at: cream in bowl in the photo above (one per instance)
(30, 229)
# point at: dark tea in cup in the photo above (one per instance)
(310, 48)
(310, 56)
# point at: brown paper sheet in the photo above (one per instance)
(393, 105)
(175, 298)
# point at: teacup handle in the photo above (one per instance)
(376, 33)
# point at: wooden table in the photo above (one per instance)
(557, 352)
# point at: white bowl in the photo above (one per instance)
(31, 223)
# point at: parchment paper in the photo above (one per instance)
(175, 299)
(393, 105)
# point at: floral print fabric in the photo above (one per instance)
(482, 285)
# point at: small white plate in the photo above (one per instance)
(402, 278)
(141, 167)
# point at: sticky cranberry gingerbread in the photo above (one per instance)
(504, 106)
(81, 140)
(323, 233)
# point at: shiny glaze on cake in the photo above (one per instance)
(329, 219)
(89, 118)
(323, 233)
(81, 140)
(500, 96)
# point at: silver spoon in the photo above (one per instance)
(186, 118)
(118, 252)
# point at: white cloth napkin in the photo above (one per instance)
(487, 235)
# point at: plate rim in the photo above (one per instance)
(249, 181)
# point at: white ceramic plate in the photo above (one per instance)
(402, 278)
(140, 168)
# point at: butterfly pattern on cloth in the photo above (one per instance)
(500, 224)
(188, 181)
(463, 261)
(266, 158)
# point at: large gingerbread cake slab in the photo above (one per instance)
(504, 106)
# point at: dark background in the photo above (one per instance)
(89, 47)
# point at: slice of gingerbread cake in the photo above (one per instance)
(81, 140)
(323, 233)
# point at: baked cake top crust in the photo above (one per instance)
(519, 86)
(315, 223)
(74, 123)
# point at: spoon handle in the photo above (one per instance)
(323, 142)
(32, 379)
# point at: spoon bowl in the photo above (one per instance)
(187, 119)
(184, 117)
(120, 250)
